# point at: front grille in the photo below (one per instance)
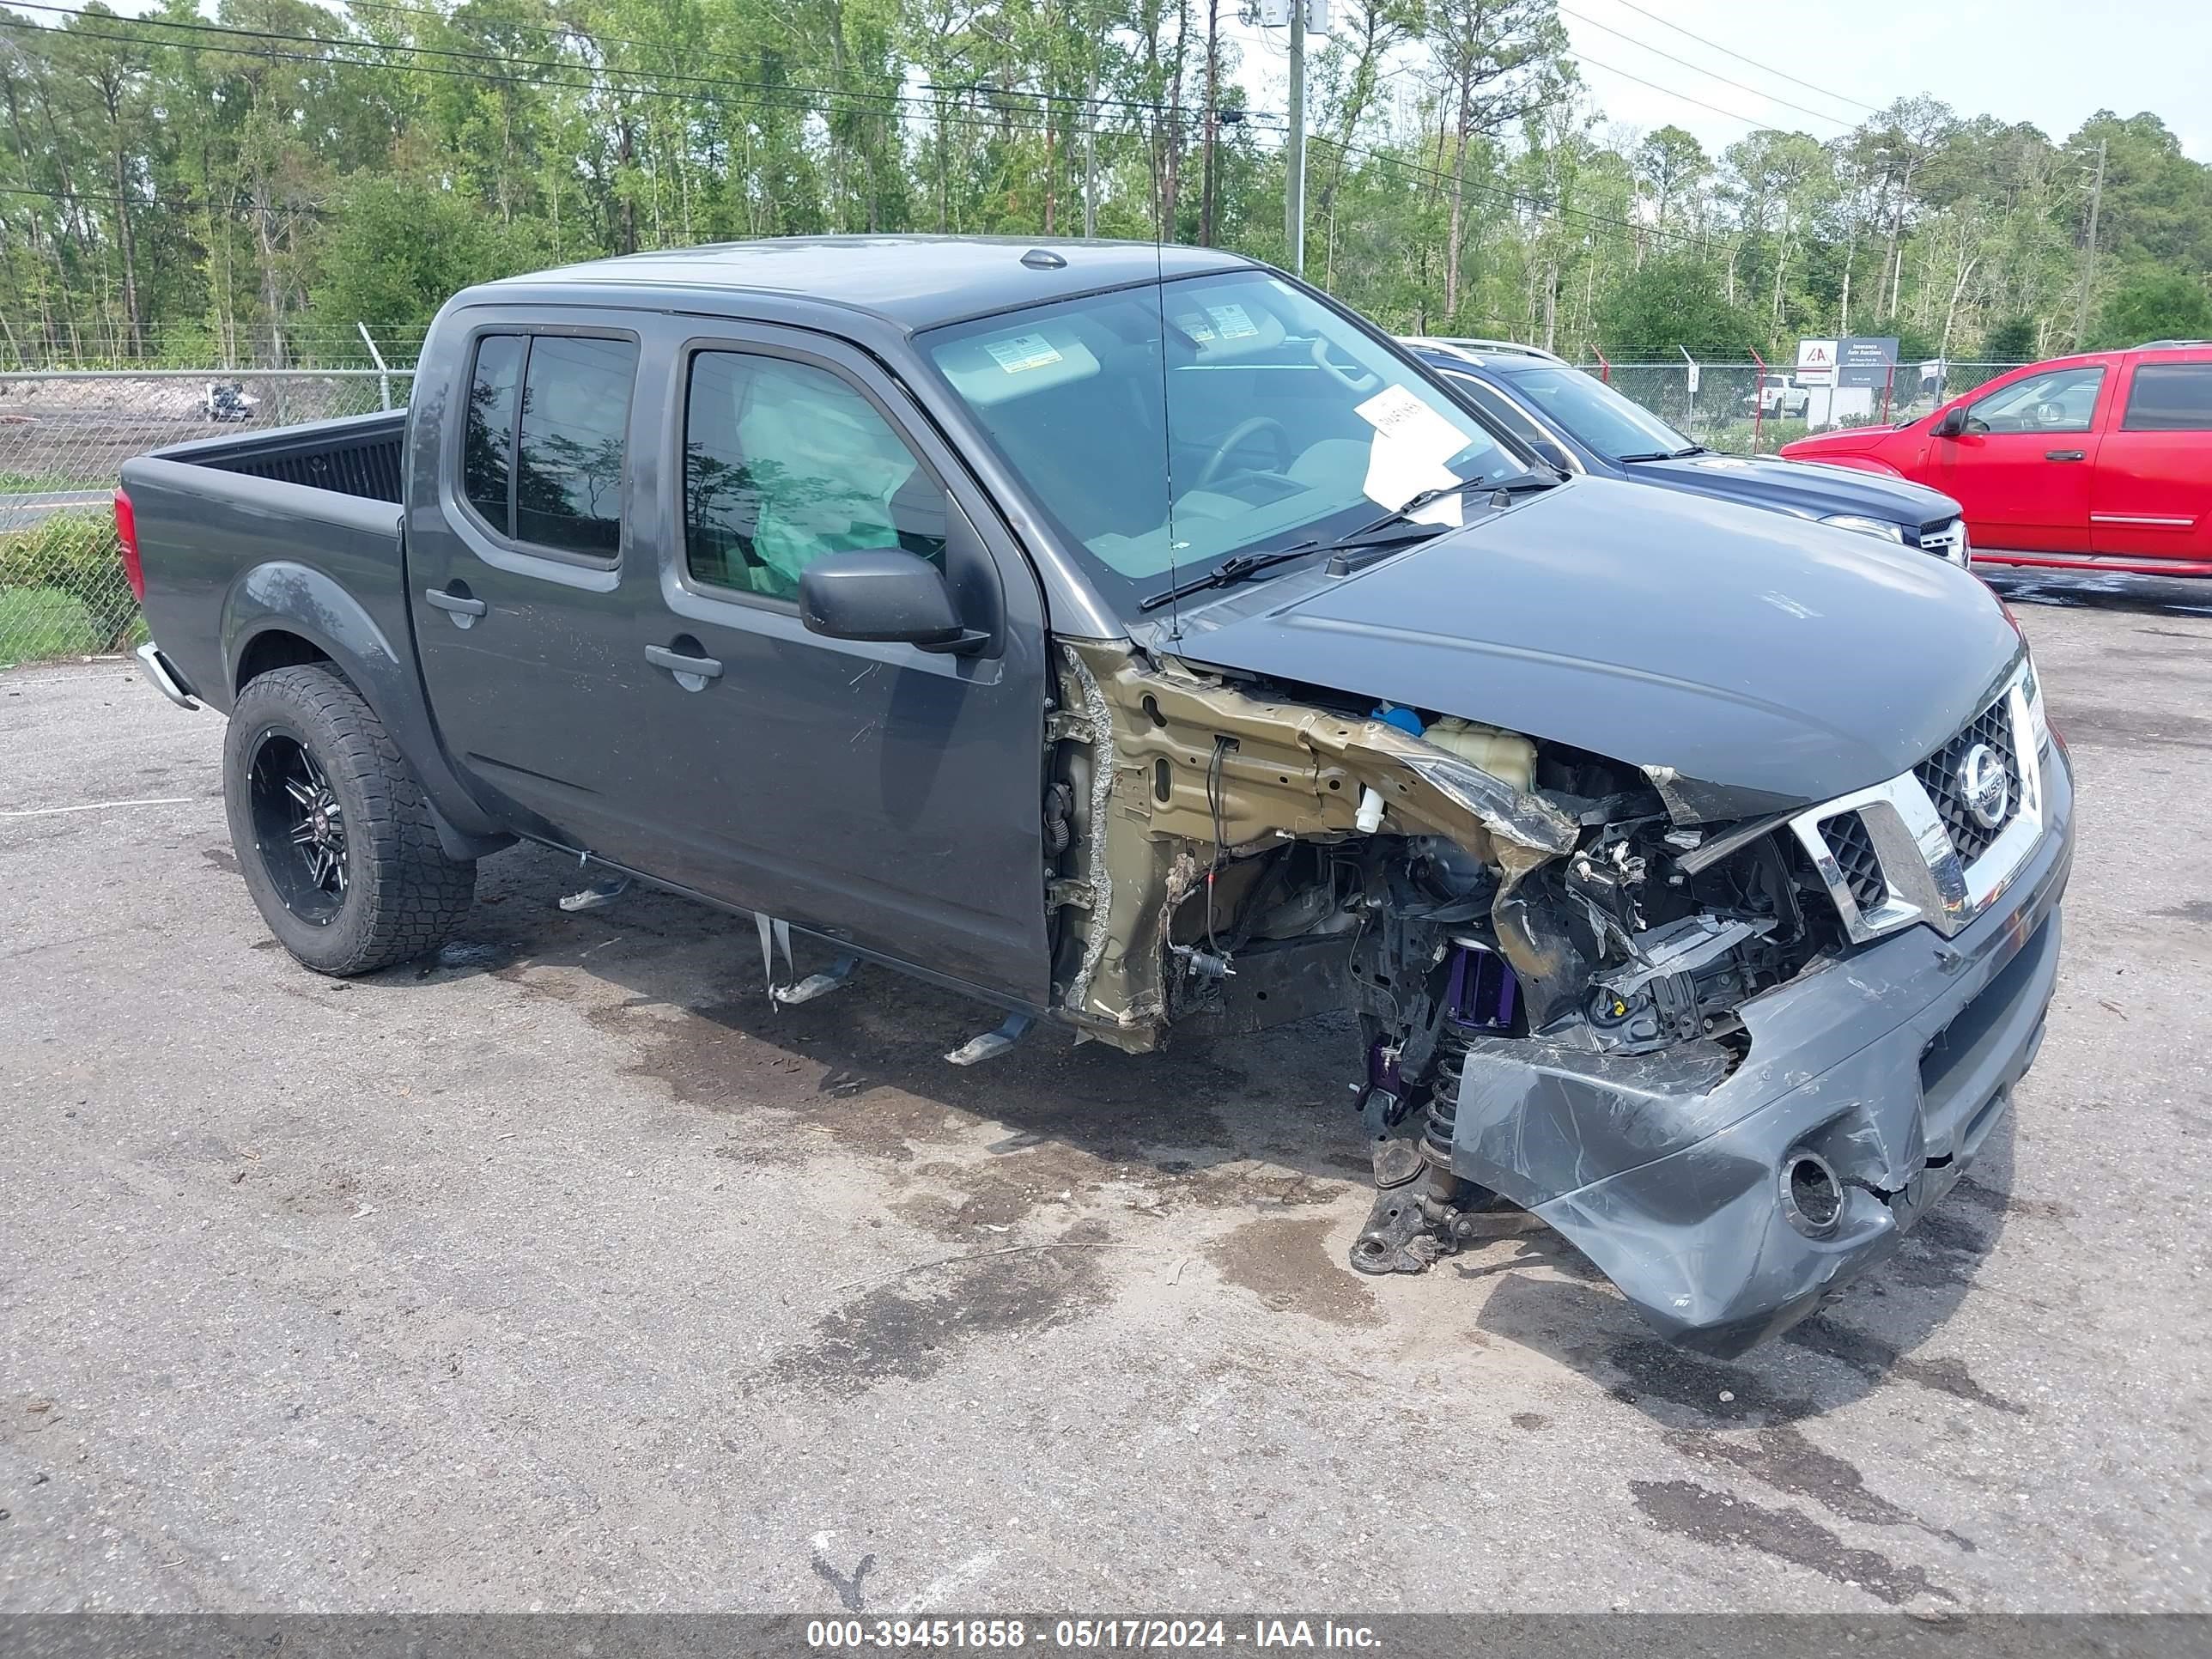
(1944, 538)
(1847, 838)
(1941, 775)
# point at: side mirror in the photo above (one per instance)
(1950, 423)
(886, 595)
(1549, 451)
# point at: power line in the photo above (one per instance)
(1001, 122)
(870, 99)
(1740, 86)
(155, 202)
(1670, 92)
(1253, 120)
(558, 27)
(1764, 69)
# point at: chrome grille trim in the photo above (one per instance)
(1945, 541)
(1926, 876)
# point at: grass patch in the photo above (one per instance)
(38, 623)
(73, 554)
(48, 483)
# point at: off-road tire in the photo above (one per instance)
(402, 894)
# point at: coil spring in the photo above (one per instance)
(1443, 1104)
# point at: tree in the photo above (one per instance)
(238, 184)
(2012, 340)
(2155, 305)
(1671, 170)
(1501, 61)
(400, 248)
(1669, 304)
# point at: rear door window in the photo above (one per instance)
(488, 450)
(2170, 398)
(544, 452)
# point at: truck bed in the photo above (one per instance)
(236, 530)
(358, 455)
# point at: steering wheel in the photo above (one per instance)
(1240, 434)
(1358, 379)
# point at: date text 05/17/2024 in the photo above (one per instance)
(973, 1634)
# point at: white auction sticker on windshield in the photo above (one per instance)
(1193, 324)
(1411, 445)
(1233, 322)
(1398, 414)
(1020, 351)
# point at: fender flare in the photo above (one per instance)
(286, 596)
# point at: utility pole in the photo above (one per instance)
(1212, 118)
(2089, 260)
(1294, 171)
(1090, 146)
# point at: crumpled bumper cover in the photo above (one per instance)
(1894, 1066)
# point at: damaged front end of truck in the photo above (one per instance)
(1713, 1047)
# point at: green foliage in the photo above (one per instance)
(2155, 305)
(173, 194)
(40, 624)
(1916, 342)
(2012, 341)
(400, 248)
(73, 555)
(1673, 303)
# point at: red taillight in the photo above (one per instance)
(126, 532)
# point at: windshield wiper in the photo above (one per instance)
(1648, 455)
(1242, 566)
(1239, 567)
(1504, 487)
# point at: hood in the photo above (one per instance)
(1752, 662)
(1843, 441)
(1813, 491)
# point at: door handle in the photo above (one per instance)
(463, 609)
(686, 668)
(2065, 454)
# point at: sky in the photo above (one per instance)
(2052, 63)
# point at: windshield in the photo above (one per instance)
(1599, 416)
(1277, 421)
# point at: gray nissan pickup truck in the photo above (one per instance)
(1134, 638)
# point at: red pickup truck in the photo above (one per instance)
(2097, 462)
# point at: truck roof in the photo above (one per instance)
(914, 282)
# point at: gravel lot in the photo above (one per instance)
(566, 1273)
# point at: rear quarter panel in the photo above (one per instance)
(229, 557)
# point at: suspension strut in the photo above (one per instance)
(1411, 1225)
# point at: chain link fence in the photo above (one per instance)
(1744, 409)
(63, 437)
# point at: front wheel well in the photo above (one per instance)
(273, 649)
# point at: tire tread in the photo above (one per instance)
(414, 893)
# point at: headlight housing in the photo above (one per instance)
(1888, 531)
(2038, 722)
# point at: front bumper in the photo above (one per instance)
(1892, 1065)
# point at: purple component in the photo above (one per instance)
(1482, 992)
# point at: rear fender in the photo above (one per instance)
(282, 596)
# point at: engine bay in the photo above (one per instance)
(1237, 853)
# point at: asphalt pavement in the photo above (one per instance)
(22, 510)
(567, 1272)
